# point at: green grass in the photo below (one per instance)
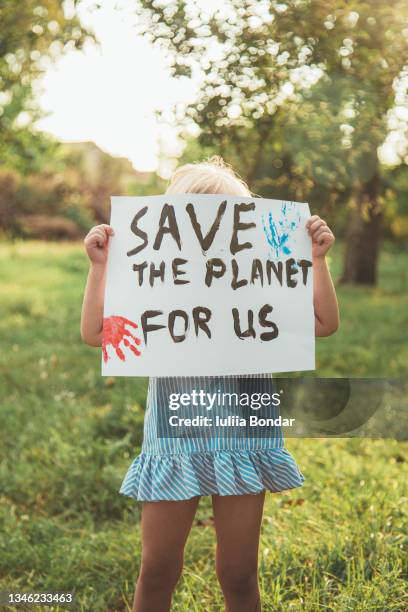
(68, 435)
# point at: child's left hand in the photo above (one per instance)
(321, 234)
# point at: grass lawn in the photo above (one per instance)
(67, 436)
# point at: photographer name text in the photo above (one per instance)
(230, 421)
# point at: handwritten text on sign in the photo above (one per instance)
(208, 285)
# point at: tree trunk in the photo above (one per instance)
(363, 235)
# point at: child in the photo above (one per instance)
(170, 475)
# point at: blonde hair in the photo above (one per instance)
(213, 175)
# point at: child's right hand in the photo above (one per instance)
(96, 243)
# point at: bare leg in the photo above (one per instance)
(165, 527)
(237, 523)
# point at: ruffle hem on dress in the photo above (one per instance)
(181, 476)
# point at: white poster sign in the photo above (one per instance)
(208, 285)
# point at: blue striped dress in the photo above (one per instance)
(176, 465)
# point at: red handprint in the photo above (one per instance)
(114, 332)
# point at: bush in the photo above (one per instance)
(43, 227)
(10, 183)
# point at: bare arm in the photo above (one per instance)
(326, 308)
(324, 299)
(96, 245)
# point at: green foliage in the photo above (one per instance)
(33, 34)
(396, 202)
(296, 95)
(263, 50)
(68, 435)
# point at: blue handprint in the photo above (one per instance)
(278, 235)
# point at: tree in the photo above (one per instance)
(32, 33)
(304, 84)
